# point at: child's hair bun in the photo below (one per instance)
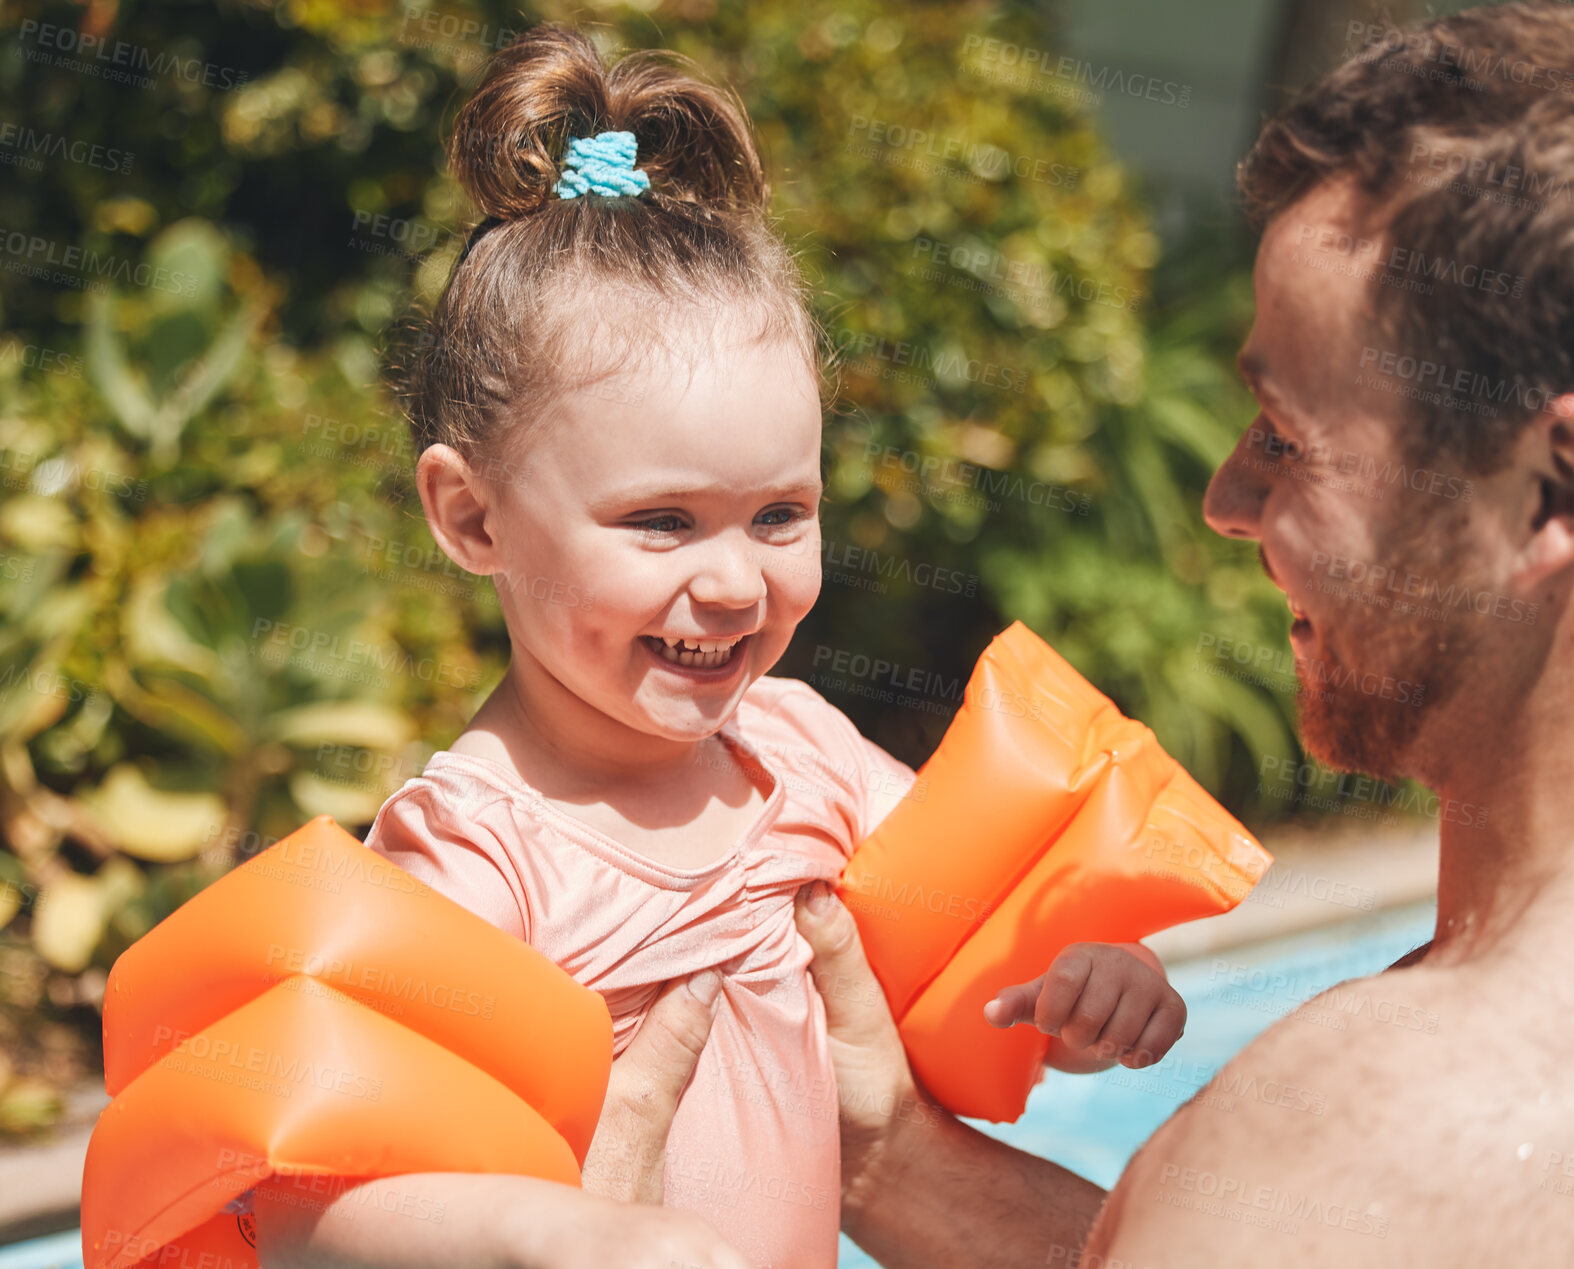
(548, 86)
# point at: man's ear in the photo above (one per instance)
(455, 500)
(1550, 549)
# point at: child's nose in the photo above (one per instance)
(730, 572)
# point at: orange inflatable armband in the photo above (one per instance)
(1044, 817)
(319, 1011)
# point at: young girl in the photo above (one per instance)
(617, 414)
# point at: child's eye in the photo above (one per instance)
(791, 514)
(658, 524)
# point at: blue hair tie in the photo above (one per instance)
(602, 164)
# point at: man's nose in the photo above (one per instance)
(1233, 503)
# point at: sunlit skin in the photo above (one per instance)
(677, 501)
(1444, 1091)
(1325, 419)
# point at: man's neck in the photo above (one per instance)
(1507, 833)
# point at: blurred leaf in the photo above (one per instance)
(192, 253)
(152, 636)
(28, 1104)
(359, 723)
(109, 370)
(347, 803)
(37, 524)
(68, 920)
(150, 823)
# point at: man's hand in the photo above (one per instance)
(919, 1187)
(874, 1083)
(629, 1151)
(1104, 1002)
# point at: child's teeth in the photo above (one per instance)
(702, 652)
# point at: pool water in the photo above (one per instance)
(1093, 1124)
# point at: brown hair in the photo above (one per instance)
(1460, 132)
(551, 293)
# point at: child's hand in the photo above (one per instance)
(1104, 1003)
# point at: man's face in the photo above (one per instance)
(1374, 547)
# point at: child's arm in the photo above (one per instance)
(486, 1221)
(1103, 1002)
(481, 1221)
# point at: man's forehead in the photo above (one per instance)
(1313, 285)
(1335, 204)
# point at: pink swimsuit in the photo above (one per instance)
(754, 1145)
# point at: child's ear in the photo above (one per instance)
(455, 501)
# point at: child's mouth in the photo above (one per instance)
(695, 654)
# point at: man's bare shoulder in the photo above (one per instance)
(1384, 1122)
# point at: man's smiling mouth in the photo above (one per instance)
(1299, 622)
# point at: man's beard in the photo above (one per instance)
(1352, 717)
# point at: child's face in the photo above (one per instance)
(667, 502)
